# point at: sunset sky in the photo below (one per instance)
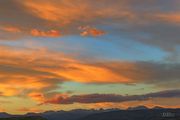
(84, 54)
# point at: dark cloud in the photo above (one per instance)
(115, 98)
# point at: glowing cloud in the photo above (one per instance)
(88, 31)
(50, 33)
(11, 29)
(33, 70)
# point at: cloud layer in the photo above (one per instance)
(114, 98)
(150, 22)
(33, 70)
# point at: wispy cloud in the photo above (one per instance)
(32, 70)
(149, 22)
(27, 110)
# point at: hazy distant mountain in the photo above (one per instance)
(138, 108)
(69, 115)
(148, 114)
(158, 107)
(4, 115)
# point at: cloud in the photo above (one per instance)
(150, 103)
(11, 29)
(37, 96)
(114, 98)
(32, 32)
(51, 33)
(35, 72)
(150, 22)
(21, 69)
(53, 16)
(28, 110)
(170, 17)
(147, 72)
(88, 31)
(2, 110)
(41, 70)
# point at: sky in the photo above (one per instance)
(88, 54)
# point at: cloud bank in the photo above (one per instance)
(114, 98)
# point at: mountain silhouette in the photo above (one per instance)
(158, 107)
(25, 118)
(134, 113)
(4, 115)
(147, 114)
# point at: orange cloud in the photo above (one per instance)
(17, 68)
(91, 74)
(2, 110)
(21, 84)
(161, 102)
(50, 33)
(148, 103)
(122, 18)
(169, 17)
(88, 31)
(28, 110)
(37, 96)
(41, 70)
(11, 29)
(62, 11)
(55, 99)
(33, 32)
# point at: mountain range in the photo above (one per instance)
(133, 113)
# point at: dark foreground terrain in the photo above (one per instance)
(24, 118)
(113, 114)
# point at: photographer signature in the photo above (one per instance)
(168, 114)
